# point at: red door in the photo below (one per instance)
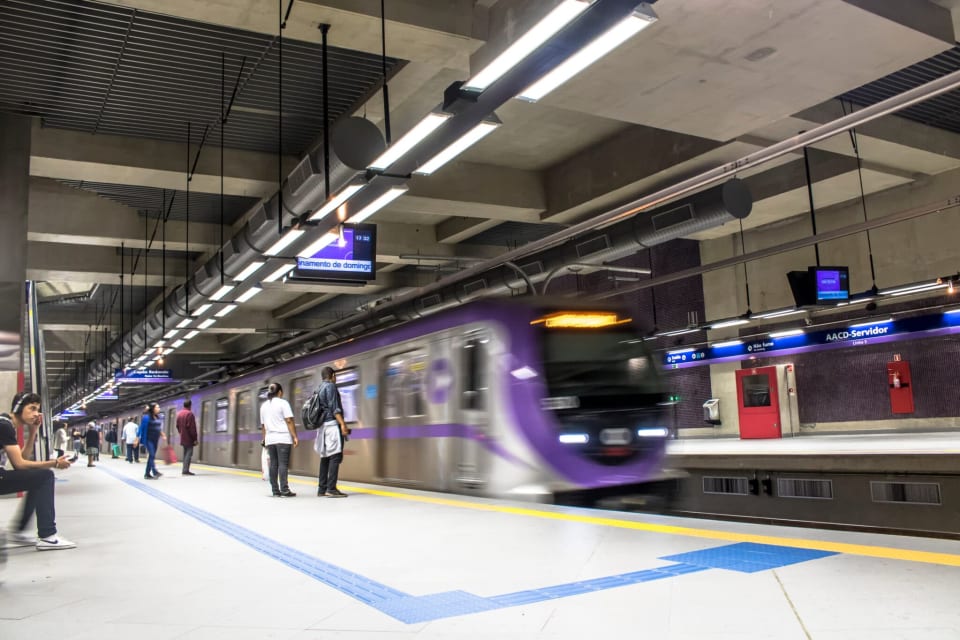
(757, 403)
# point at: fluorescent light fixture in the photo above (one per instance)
(377, 204)
(249, 271)
(171, 334)
(222, 291)
(183, 324)
(652, 432)
(190, 335)
(202, 309)
(787, 333)
(319, 245)
(227, 310)
(952, 312)
(285, 240)
(279, 273)
(574, 438)
(776, 314)
(206, 324)
(679, 351)
(249, 293)
(338, 199)
(636, 22)
(460, 145)
(871, 323)
(728, 343)
(159, 344)
(524, 373)
(677, 332)
(410, 139)
(179, 343)
(526, 44)
(728, 323)
(919, 288)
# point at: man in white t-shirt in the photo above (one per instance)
(279, 436)
(130, 440)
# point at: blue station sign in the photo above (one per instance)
(799, 341)
(144, 376)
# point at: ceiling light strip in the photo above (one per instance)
(462, 143)
(412, 138)
(285, 241)
(377, 204)
(338, 199)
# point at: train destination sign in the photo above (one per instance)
(144, 376)
(798, 341)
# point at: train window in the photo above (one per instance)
(244, 406)
(474, 373)
(405, 385)
(262, 394)
(348, 383)
(756, 391)
(223, 404)
(601, 362)
(302, 389)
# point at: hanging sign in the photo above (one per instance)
(144, 376)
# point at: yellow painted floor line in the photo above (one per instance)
(888, 553)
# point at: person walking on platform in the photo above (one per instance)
(130, 440)
(92, 442)
(331, 436)
(279, 437)
(61, 440)
(187, 428)
(77, 444)
(33, 476)
(149, 434)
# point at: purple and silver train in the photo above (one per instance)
(497, 398)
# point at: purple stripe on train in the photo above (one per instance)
(537, 426)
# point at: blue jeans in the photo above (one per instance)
(151, 457)
(133, 452)
(38, 483)
(279, 462)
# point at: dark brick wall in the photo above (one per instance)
(846, 385)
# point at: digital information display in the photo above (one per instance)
(144, 376)
(353, 258)
(831, 284)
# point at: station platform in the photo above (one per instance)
(214, 556)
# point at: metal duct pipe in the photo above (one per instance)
(354, 143)
(705, 210)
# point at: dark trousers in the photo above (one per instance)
(38, 483)
(329, 472)
(279, 462)
(152, 457)
(133, 453)
(187, 457)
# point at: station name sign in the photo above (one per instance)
(853, 335)
(144, 376)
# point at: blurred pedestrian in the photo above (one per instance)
(279, 437)
(92, 441)
(33, 476)
(77, 438)
(187, 428)
(131, 441)
(151, 430)
(61, 440)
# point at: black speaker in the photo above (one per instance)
(802, 286)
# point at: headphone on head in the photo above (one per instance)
(18, 403)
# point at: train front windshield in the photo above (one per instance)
(605, 392)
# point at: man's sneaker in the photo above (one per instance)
(336, 493)
(54, 542)
(20, 539)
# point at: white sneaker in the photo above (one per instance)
(54, 542)
(20, 539)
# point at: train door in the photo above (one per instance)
(246, 422)
(219, 449)
(403, 412)
(206, 410)
(170, 426)
(302, 458)
(471, 462)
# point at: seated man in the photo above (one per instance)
(33, 476)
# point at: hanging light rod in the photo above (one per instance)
(642, 17)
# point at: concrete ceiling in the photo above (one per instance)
(709, 83)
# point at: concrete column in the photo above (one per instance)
(14, 194)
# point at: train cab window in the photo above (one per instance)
(348, 383)
(474, 372)
(302, 388)
(405, 385)
(756, 391)
(223, 405)
(244, 411)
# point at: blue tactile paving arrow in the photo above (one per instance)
(745, 557)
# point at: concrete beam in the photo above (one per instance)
(459, 229)
(73, 155)
(401, 243)
(920, 15)
(80, 263)
(418, 30)
(71, 216)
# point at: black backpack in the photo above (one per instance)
(312, 412)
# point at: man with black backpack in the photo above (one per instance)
(331, 436)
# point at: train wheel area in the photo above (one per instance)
(215, 555)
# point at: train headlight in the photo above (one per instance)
(652, 432)
(574, 438)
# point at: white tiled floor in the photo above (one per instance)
(144, 569)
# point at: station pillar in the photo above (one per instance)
(15, 131)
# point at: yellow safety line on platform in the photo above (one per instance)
(871, 551)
